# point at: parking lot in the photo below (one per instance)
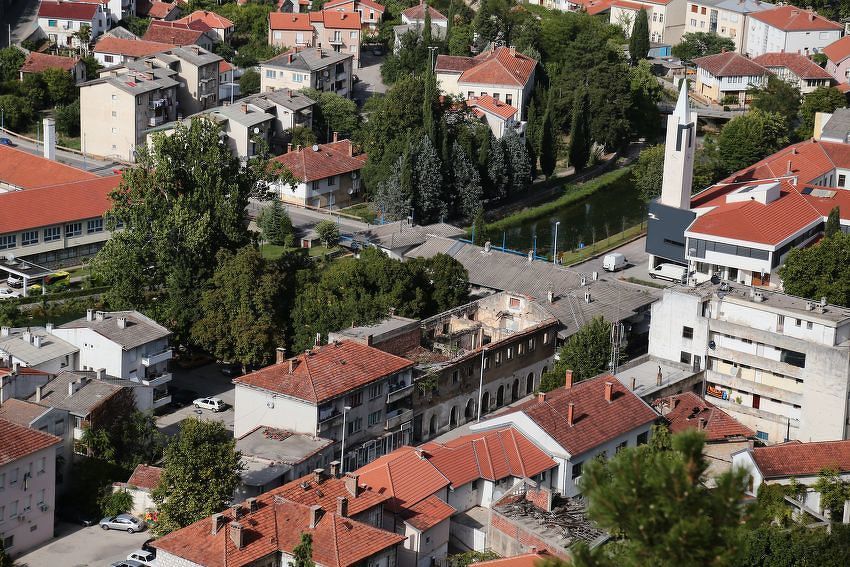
(83, 547)
(204, 381)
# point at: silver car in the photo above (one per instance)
(124, 522)
(129, 563)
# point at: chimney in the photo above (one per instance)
(237, 510)
(318, 339)
(15, 367)
(316, 514)
(634, 384)
(4, 331)
(217, 523)
(319, 51)
(298, 148)
(550, 295)
(658, 377)
(291, 365)
(702, 423)
(279, 355)
(334, 469)
(236, 535)
(48, 327)
(196, 49)
(26, 336)
(244, 108)
(513, 51)
(288, 148)
(350, 149)
(541, 397)
(571, 408)
(122, 322)
(71, 388)
(290, 57)
(89, 314)
(342, 506)
(317, 475)
(568, 379)
(811, 16)
(49, 138)
(36, 341)
(336, 136)
(252, 504)
(39, 392)
(788, 170)
(351, 484)
(98, 315)
(609, 391)
(101, 373)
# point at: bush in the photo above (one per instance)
(328, 232)
(114, 503)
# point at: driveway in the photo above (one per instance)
(637, 268)
(207, 381)
(370, 77)
(83, 547)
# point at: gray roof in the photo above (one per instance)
(136, 80)
(837, 128)
(88, 397)
(121, 32)
(138, 331)
(234, 112)
(307, 60)
(195, 55)
(744, 6)
(401, 234)
(279, 446)
(50, 348)
(293, 100)
(376, 330)
(497, 270)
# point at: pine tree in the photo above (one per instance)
(449, 24)
(580, 141)
(479, 227)
(467, 182)
(516, 151)
(639, 41)
(429, 203)
(497, 169)
(392, 199)
(833, 223)
(548, 149)
(428, 105)
(426, 29)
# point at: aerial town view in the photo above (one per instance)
(424, 283)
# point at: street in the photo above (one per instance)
(98, 167)
(370, 77)
(638, 263)
(77, 546)
(206, 381)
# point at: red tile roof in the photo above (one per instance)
(686, 410)
(526, 560)
(427, 513)
(406, 475)
(211, 19)
(333, 19)
(802, 459)
(175, 34)
(418, 13)
(276, 526)
(308, 492)
(596, 420)
(809, 160)
(145, 476)
(791, 18)
(327, 372)
(37, 62)
(56, 204)
(134, 48)
(500, 66)
(730, 64)
(453, 63)
(798, 64)
(21, 412)
(839, 50)
(330, 159)
(156, 9)
(27, 171)
(489, 104)
(379, 8)
(491, 455)
(290, 22)
(82, 11)
(17, 441)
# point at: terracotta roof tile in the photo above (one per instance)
(730, 64)
(156, 9)
(175, 34)
(427, 513)
(838, 51)
(17, 441)
(791, 18)
(418, 13)
(334, 158)
(211, 19)
(379, 8)
(802, 459)
(596, 420)
(82, 11)
(308, 492)
(489, 104)
(129, 47)
(20, 412)
(224, 66)
(500, 66)
(686, 410)
(453, 63)
(28, 171)
(406, 475)
(327, 372)
(798, 64)
(333, 19)
(290, 22)
(37, 62)
(525, 560)
(145, 476)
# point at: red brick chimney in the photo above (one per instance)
(568, 379)
(280, 355)
(571, 408)
(541, 396)
(342, 506)
(609, 391)
(336, 137)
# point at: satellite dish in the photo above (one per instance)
(354, 175)
(351, 191)
(256, 130)
(712, 345)
(315, 147)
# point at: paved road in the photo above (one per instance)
(83, 547)
(206, 380)
(370, 77)
(22, 15)
(638, 259)
(98, 167)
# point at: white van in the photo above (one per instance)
(670, 272)
(614, 261)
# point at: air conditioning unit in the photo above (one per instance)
(44, 507)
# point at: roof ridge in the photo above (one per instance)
(518, 452)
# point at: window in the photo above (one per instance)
(483, 93)
(331, 180)
(2, 481)
(622, 446)
(94, 225)
(498, 358)
(8, 241)
(643, 438)
(693, 23)
(514, 303)
(577, 470)
(470, 94)
(52, 233)
(520, 349)
(59, 427)
(792, 357)
(2, 513)
(8, 541)
(694, 8)
(108, 58)
(545, 338)
(685, 357)
(355, 425)
(654, 17)
(762, 435)
(13, 509)
(51, 23)
(375, 417)
(375, 390)
(475, 484)
(496, 96)
(486, 362)
(13, 476)
(354, 399)
(509, 99)
(73, 229)
(42, 465)
(687, 332)
(41, 494)
(297, 77)
(531, 344)
(797, 322)
(842, 179)
(271, 73)
(353, 35)
(115, 130)
(455, 377)
(660, 18)
(510, 352)
(809, 325)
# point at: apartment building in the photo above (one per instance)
(222, 26)
(415, 15)
(335, 391)
(36, 348)
(725, 78)
(499, 116)
(28, 482)
(62, 22)
(287, 30)
(371, 13)
(110, 51)
(778, 364)
(790, 29)
(197, 69)
(180, 34)
(317, 68)
(726, 18)
(666, 17)
(797, 70)
(333, 30)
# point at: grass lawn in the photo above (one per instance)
(575, 256)
(362, 210)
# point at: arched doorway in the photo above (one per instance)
(432, 427)
(469, 412)
(500, 397)
(515, 390)
(529, 383)
(485, 402)
(453, 418)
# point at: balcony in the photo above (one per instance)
(157, 380)
(156, 121)
(78, 433)
(161, 401)
(329, 420)
(400, 416)
(335, 41)
(151, 359)
(398, 392)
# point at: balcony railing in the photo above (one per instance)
(398, 418)
(156, 121)
(157, 380)
(151, 359)
(398, 392)
(163, 401)
(335, 41)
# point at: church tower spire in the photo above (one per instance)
(679, 153)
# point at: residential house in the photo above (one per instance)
(395, 239)
(23, 170)
(369, 404)
(227, 88)
(838, 59)
(336, 513)
(371, 13)
(726, 18)
(328, 175)
(290, 30)
(36, 348)
(54, 421)
(317, 68)
(156, 10)
(20, 382)
(725, 78)
(415, 15)
(797, 463)
(62, 22)
(338, 30)
(140, 487)
(118, 10)
(28, 480)
(38, 62)
(797, 70)
(500, 116)
(173, 33)
(579, 422)
(290, 6)
(52, 226)
(222, 26)
(197, 69)
(110, 51)
(788, 29)
(500, 72)
(290, 109)
(666, 18)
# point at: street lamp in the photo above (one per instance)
(481, 382)
(345, 410)
(555, 255)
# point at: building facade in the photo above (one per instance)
(790, 29)
(726, 78)
(797, 70)
(315, 68)
(726, 18)
(64, 23)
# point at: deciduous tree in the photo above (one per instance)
(648, 172)
(328, 232)
(777, 96)
(748, 138)
(302, 554)
(833, 223)
(586, 353)
(820, 271)
(249, 82)
(700, 44)
(823, 99)
(11, 61)
(60, 86)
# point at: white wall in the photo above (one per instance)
(254, 407)
(36, 527)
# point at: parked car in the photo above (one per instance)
(15, 281)
(128, 563)
(181, 398)
(614, 261)
(7, 142)
(124, 522)
(670, 272)
(8, 293)
(214, 404)
(142, 555)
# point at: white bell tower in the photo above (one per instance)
(679, 154)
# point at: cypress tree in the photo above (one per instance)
(548, 148)
(426, 30)
(639, 41)
(580, 141)
(531, 135)
(833, 223)
(449, 25)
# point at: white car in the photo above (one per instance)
(214, 404)
(141, 556)
(8, 293)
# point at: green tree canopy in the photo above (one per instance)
(249, 82)
(700, 44)
(777, 96)
(747, 139)
(303, 552)
(587, 353)
(275, 224)
(820, 271)
(333, 113)
(328, 232)
(639, 40)
(833, 223)
(11, 61)
(823, 99)
(61, 88)
(580, 140)
(648, 172)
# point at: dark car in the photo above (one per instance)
(7, 142)
(181, 398)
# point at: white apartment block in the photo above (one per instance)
(726, 18)
(666, 18)
(62, 22)
(790, 29)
